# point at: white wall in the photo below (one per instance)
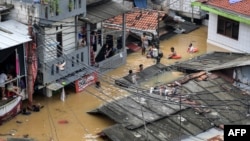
(22, 11)
(240, 45)
(242, 77)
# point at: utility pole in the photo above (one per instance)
(29, 62)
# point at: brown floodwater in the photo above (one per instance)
(69, 121)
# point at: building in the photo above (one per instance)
(205, 99)
(58, 31)
(14, 40)
(60, 60)
(229, 23)
(92, 23)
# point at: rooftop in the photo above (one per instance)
(215, 61)
(242, 7)
(140, 19)
(202, 101)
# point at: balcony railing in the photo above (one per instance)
(75, 64)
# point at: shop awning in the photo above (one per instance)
(103, 11)
(13, 33)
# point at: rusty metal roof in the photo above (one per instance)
(204, 104)
(215, 61)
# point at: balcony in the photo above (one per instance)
(74, 68)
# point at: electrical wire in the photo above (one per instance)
(196, 99)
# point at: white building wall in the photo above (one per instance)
(240, 45)
(22, 11)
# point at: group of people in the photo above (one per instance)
(6, 82)
(153, 52)
(173, 54)
(133, 75)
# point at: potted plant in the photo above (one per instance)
(70, 5)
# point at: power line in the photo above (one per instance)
(223, 105)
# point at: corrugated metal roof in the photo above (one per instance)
(215, 61)
(209, 103)
(101, 12)
(13, 33)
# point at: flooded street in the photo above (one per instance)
(69, 121)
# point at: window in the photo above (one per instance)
(228, 27)
(80, 3)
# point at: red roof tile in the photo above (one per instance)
(242, 7)
(139, 19)
(217, 138)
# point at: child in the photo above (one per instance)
(140, 67)
(150, 53)
(173, 53)
(190, 48)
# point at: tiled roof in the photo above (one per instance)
(242, 7)
(139, 19)
(216, 138)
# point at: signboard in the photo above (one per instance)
(87, 80)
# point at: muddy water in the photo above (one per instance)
(69, 120)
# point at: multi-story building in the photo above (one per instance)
(58, 28)
(55, 32)
(229, 24)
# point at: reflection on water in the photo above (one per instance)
(69, 120)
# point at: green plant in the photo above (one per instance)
(70, 5)
(54, 6)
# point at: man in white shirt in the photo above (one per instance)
(3, 79)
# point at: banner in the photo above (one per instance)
(87, 80)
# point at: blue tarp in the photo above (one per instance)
(140, 3)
